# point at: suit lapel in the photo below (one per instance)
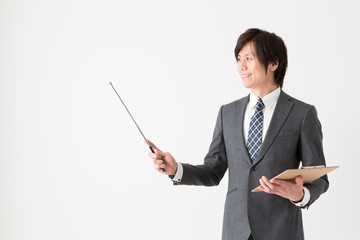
(282, 110)
(239, 127)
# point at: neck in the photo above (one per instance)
(263, 91)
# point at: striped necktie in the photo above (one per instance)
(255, 131)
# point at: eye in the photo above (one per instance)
(248, 58)
(239, 59)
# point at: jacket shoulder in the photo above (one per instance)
(233, 104)
(298, 104)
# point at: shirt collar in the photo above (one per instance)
(268, 100)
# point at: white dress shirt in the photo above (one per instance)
(270, 101)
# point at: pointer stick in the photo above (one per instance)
(152, 150)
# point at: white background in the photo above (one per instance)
(72, 164)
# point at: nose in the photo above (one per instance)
(243, 65)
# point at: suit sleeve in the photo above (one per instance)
(215, 163)
(312, 152)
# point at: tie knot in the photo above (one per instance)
(260, 105)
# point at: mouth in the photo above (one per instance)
(243, 76)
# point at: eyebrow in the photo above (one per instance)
(246, 54)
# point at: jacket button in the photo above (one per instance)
(254, 168)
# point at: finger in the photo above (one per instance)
(154, 155)
(274, 181)
(264, 186)
(267, 182)
(278, 182)
(158, 161)
(281, 186)
(157, 167)
(270, 187)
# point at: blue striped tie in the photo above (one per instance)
(255, 131)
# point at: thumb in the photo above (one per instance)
(152, 145)
(299, 180)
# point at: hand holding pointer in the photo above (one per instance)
(163, 160)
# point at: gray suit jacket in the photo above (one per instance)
(294, 135)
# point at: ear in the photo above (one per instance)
(273, 65)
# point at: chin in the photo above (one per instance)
(247, 84)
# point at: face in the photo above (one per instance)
(252, 72)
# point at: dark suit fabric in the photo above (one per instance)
(294, 135)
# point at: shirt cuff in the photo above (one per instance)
(179, 173)
(305, 199)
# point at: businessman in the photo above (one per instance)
(256, 138)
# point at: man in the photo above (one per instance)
(256, 137)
